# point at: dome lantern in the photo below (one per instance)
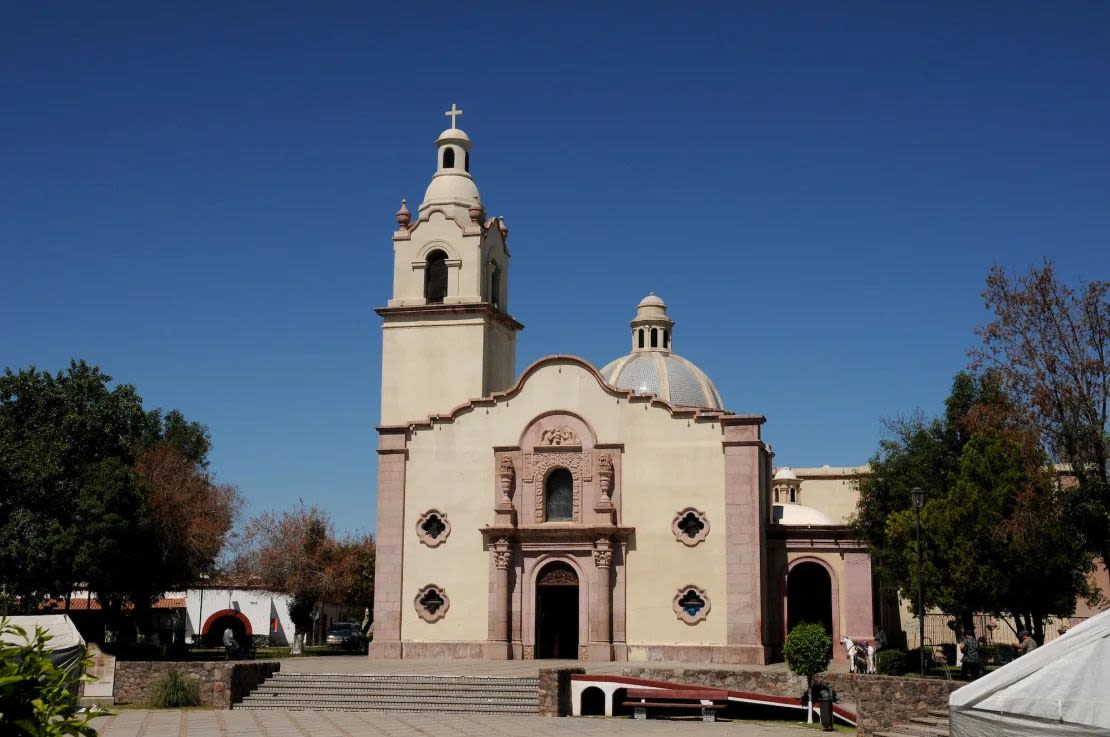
(651, 328)
(653, 368)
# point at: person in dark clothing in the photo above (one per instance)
(972, 660)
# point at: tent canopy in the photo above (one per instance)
(59, 626)
(1057, 689)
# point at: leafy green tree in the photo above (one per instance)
(996, 530)
(808, 651)
(96, 491)
(52, 429)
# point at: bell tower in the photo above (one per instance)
(447, 335)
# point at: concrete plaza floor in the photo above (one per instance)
(241, 723)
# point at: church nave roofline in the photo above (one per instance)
(698, 414)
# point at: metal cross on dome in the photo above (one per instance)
(453, 113)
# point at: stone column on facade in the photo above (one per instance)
(858, 619)
(501, 634)
(746, 515)
(601, 646)
(391, 524)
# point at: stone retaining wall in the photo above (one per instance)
(222, 683)
(555, 691)
(879, 701)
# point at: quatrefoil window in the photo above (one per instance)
(433, 528)
(691, 604)
(690, 526)
(432, 603)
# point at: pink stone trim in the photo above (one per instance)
(747, 474)
(388, 567)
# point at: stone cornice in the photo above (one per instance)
(557, 532)
(479, 308)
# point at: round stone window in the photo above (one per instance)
(690, 526)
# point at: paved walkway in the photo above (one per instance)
(212, 723)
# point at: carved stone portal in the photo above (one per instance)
(542, 463)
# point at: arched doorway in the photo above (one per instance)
(214, 626)
(809, 596)
(557, 612)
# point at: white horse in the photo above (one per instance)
(861, 655)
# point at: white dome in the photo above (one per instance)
(451, 186)
(667, 375)
(453, 134)
(651, 299)
(785, 474)
(800, 515)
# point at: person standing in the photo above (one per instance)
(1028, 644)
(972, 662)
(230, 645)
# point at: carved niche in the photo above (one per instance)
(541, 463)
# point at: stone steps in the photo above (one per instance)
(368, 692)
(933, 725)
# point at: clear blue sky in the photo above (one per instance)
(200, 199)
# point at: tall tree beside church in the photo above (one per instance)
(94, 490)
(996, 529)
(1048, 343)
(297, 552)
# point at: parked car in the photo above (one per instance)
(346, 635)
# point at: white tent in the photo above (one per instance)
(63, 635)
(1058, 689)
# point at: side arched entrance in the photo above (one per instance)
(809, 597)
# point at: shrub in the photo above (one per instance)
(174, 690)
(808, 650)
(890, 662)
(37, 697)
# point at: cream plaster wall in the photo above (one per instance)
(668, 463)
(831, 490)
(431, 365)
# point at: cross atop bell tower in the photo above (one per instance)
(453, 113)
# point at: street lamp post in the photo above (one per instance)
(917, 495)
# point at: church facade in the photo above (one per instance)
(618, 513)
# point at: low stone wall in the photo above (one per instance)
(879, 701)
(222, 683)
(555, 691)
(885, 701)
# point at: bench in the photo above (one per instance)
(642, 699)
